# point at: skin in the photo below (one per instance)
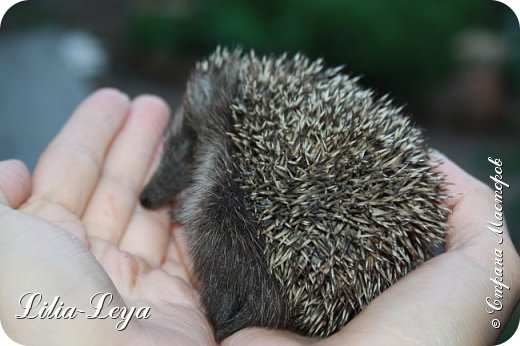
(75, 227)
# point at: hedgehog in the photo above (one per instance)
(302, 194)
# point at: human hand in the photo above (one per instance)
(93, 195)
(443, 301)
(76, 228)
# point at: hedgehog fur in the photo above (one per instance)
(303, 195)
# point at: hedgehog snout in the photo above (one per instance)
(164, 186)
(146, 201)
(157, 192)
(149, 199)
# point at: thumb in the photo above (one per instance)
(15, 183)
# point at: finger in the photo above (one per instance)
(148, 235)
(472, 204)
(176, 268)
(459, 182)
(148, 232)
(15, 183)
(126, 165)
(180, 251)
(176, 262)
(68, 170)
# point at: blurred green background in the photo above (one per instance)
(455, 64)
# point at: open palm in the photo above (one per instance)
(87, 184)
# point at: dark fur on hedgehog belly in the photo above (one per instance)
(237, 289)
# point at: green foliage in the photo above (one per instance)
(394, 44)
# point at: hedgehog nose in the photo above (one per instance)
(146, 201)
